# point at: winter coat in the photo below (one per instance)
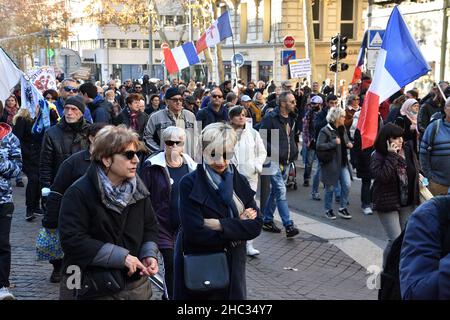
(249, 156)
(288, 150)
(330, 172)
(156, 177)
(424, 264)
(208, 115)
(409, 134)
(426, 111)
(70, 171)
(436, 162)
(125, 118)
(386, 189)
(101, 110)
(30, 144)
(10, 161)
(60, 142)
(361, 158)
(90, 231)
(198, 201)
(160, 120)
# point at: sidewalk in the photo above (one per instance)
(306, 267)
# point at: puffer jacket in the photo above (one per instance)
(10, 161)
(60, 142)
(249, 156)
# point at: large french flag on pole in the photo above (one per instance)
(219, 30)
(399, 63)
(180, 57)
(357, 74)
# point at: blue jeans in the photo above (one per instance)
(345, 183)
(277, 199)
(337, 190)
(310, 156)
(316, 179)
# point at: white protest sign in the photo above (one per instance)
(300, 68)
(43, 78)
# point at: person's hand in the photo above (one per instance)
(133, 263)
(392, 147)
(338, 141)
(248, 214)
(151, 265)
(349, 145)
(213, 224)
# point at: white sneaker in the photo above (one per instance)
(367, 211)
(250, 250)
(6, 295)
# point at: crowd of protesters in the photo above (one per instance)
(138, 173)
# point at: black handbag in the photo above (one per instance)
(206, 272)
(100, 282)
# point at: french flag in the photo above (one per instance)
(180, 57)
(219, 30)
(357, 74)
(399, 63)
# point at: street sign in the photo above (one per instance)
(238, 60)
(300, 68)
(375, 39)
(286, 56)
(289, 42)
(372, 56)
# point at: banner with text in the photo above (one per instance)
(300, 68)
(43, 78)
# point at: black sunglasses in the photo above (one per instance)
(129, 154)
(69, 89)
(170, 143)
(216, 96)
(225, 155)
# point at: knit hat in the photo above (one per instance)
(172, 92)
(76, 101)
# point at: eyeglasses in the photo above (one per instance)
(225, 155)
(138, 87)
(177, 100)
(71, 89)
(129, 154)
(170, 143)
(216, 96)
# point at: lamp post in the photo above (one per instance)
(150, 39)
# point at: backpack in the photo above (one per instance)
(390, 276)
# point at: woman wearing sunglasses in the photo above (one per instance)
(107, 224)
(218, 214)
(161, 174)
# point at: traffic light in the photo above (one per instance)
(338, 51)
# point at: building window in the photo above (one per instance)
(134, 44)
(169, 20)
(102, 43)
(123, 44)
(157, 44)
(316, 18)
(180, 20)
(112, 43)
(265, 70)
(145, 44)
(172, 43)
(347, 18)
(227, 69)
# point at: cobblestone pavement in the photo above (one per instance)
(316, 269)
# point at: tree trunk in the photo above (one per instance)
(220, 67)
(208, 58)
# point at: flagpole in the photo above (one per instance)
(234, 55)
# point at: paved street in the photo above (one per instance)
(316, 268)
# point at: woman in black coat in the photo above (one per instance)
(395, 170)
(107, 224)
(30, 145)
(218, 213)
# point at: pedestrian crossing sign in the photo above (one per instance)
(375, 39)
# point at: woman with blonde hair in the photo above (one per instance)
(107, 224)
(218, 214)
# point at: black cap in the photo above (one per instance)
(76, 101)
(172, 92)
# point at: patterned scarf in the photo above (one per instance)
(403, 181)
(116, 197)
(134, 120)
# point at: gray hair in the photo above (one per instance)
(173, 132)
(334, 114)
(283, 96)
(219, 137)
